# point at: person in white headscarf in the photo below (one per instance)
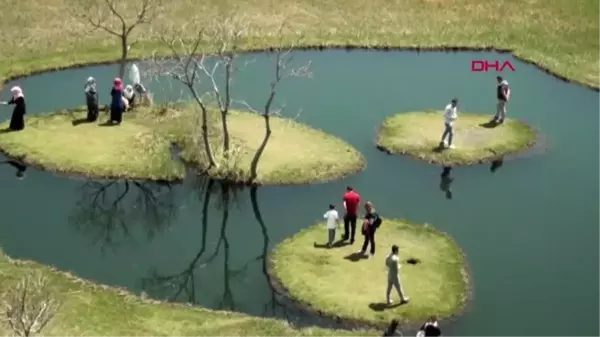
(17, 120)
(130, 95)
(91, 99)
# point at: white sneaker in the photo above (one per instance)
(390, 302)
(406, 299)
(451, 146)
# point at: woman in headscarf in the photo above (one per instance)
(117, 104)
(91, 98)
(17, 121)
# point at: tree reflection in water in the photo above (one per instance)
(107, 209)
(182, 286)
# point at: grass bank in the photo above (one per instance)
(140, 147)
(418, 134)
(560, 35)
(90, 309)
(336, 283)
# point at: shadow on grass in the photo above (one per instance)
(81, 121)
(109, 123)
(438, 148)
(489, 125)
(355, 257)
(7, 130)
(337, 244)
(380, 306)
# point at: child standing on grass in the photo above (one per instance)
(333, 221)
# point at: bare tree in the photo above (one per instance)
(282, 60)
(118, 18)
(194, 66)
(30, 305)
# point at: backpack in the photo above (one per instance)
(377, 222)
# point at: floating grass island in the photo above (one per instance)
(476, 140)
(89, 309)
(140, 148)
(335, 282)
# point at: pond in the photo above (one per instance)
(529, 229)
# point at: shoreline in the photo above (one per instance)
(348, 47)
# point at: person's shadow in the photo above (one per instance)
(446, 182)
(496, 164)
(21, 168)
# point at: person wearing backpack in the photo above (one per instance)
(371, 223)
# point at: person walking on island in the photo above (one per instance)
(503, 95)
(117, 105)
(351, 202)
(333, 221)
(450, 115)
(17, 120)
(430, 328)
(392, 262)
(369, 227)
(91, 99)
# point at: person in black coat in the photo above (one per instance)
(91, 99)
(17, 121)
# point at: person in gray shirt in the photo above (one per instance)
(393, 264)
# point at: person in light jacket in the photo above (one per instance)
(503, 95)
(392, 263)
(450, 115)
(91, 99)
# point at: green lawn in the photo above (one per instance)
(418, 134)
(139, 147)
(333, 281)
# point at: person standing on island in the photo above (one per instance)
(450, 115)
(351, 202)
(117, 104)
(430, 328)
(91, 99)
(392, 261)
(503, 95)
(17, 120)
(369, 227)
(333, 221)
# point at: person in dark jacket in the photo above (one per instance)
(371, 223)
(17, 121)
(430, 328)
(91, 99)
(392, 329)
(117, 103)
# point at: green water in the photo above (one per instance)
(530, 229)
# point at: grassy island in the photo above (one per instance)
(140, 148)
(89, 309)
(337, 283)
(418, 134)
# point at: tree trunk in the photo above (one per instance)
(226, 140)
(225, 109)
(205, 138)
(124, 52)
(261, 148)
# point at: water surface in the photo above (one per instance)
(530, 229)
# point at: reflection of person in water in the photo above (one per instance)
(17, 121)
(446, 182)
(21, 168)
(392, 329)
(496, 164)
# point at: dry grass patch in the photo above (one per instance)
(89, 309)
(139, 148)
(561, 35)
(418, 134)
(335, 282)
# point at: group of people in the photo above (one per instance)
(122, 98)
(429, 328)
(451, 114)
(371, 222)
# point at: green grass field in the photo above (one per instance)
(334, 281)
(418, 134)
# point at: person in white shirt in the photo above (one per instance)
(450, 115)
(392, 262)
(333, 221)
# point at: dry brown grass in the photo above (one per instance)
(561, 34)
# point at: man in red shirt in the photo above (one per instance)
(351, 202)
